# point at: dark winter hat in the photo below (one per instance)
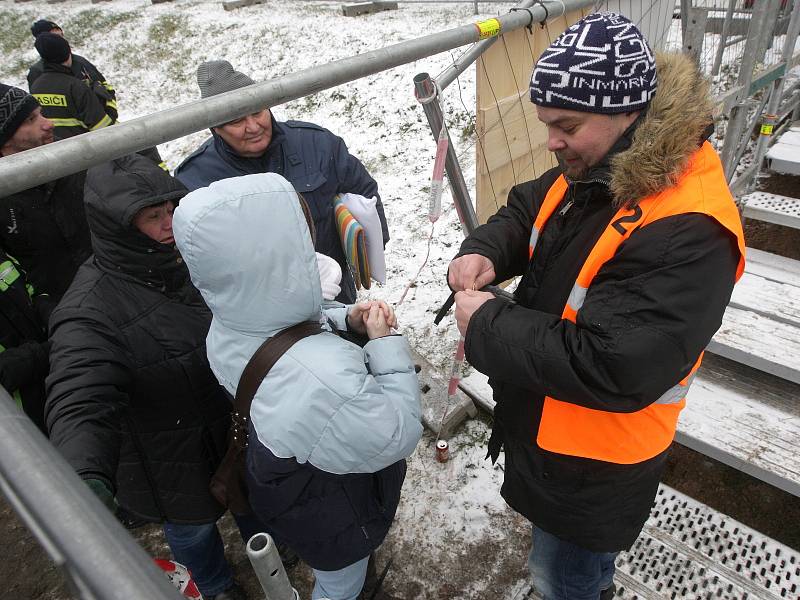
(52, 48)
(218, 76)
(601, 64)
(15, 106)
(43, 26)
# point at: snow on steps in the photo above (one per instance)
(784, 155)
(689, 550)
(761, 327)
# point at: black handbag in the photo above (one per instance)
(228, 484)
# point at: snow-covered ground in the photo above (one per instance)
(454, 537)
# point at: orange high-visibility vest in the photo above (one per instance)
(627, 438)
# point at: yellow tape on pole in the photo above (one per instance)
(488, 28)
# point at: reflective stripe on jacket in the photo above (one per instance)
(627, 438)
(70, 103)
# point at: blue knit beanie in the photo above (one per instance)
(601, 64)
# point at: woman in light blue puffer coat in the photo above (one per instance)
(332, 422)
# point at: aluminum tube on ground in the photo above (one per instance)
(72, 525)
(33, 167)
(425, 88)
(266, 561)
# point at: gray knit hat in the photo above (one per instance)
(218, 76)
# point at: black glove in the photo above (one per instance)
(103, 492)
(22, 364)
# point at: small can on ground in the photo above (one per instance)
(442, 451)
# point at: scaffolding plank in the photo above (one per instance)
(762, 322)
(746, 419)
(772, 208)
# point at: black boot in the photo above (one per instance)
(235, 592)
(609, 592)
(373, 583)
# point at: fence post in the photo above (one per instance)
(424, 89)
(776, 91)
(723, 38)
(738, 116)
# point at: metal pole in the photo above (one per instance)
(425, 90)
(538, 13)
(685, 6)
(723, 38)
(73, 526)
(739, 113)
(33, 167)
(266, 561)
(776, 93)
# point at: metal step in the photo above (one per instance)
(784, 156)
(772, 208)
(689, 550)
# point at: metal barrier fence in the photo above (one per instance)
(98, 557)
(746, 47)
(33, 167)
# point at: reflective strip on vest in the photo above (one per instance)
(8, 275)
(629, 438)
(68, 123)
(576, 297)
(111, 104)
(104, 122)
(532, 242)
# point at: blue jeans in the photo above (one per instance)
(200, 549)
(564, 571)
(344, 584)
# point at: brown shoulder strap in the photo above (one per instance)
(263, 360)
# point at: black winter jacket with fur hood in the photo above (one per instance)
(131, 398)
(652, 309)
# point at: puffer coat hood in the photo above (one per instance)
(114, 192)
(327, 401)
(222, 231)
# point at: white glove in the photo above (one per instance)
(330, 276)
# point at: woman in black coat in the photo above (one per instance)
(132, 403)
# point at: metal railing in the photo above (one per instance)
(99, 558)
(33, 167)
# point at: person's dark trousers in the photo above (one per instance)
(249, 525)
(200, 549)
(563, 571)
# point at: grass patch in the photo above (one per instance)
(159, 49)
(93, 21)
(15, 31)
(18, 66)
(167, 27)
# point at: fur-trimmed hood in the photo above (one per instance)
(672, 129)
